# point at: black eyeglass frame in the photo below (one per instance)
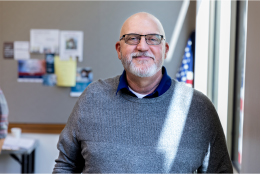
(123, 36)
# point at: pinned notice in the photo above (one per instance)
(65, 71)
(71, 45)
(21, 50)
(44, 41)
(8, 50)
(31, 70)
(84, 77)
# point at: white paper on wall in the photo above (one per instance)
(21, 50)
(71, 45)
(44, 41)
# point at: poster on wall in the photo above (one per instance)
(65, 71)
(44, 41)
(21, 50)
(49, 80)
(71, 45)
(84, 77)
(49, 58)
(31, 70)
(8, 50)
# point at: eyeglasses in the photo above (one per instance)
(134, 39)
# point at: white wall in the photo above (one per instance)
(45, 154)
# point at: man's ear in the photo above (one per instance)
(118, 49)
(166, 50)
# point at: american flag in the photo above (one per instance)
(186, 70)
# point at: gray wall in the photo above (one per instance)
(251, 128)
(101, 23)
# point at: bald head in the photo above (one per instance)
(142, 22)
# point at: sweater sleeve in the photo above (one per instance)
(70, 159)
(3, 115)
(217, 159)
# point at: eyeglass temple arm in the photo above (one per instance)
(122, 37)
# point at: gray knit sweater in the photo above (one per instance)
(177, 132)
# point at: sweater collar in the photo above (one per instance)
(164, 85)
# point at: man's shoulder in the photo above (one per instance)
(197, 96)
(103, 85)
(200, 105)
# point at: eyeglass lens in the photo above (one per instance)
(151, 39)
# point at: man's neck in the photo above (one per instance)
(144, 85)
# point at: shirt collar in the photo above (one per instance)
(162, 88)
(123, 82)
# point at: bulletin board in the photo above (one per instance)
(100, 23)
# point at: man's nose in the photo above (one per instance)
(143, 46)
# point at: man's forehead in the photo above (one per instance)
(142, 23)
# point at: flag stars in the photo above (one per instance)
(185, 73)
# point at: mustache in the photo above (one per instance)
(146, 54)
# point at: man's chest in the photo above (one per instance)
(139, 138)
(133, 146)
(108, 157)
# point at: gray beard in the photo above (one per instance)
(145, 71)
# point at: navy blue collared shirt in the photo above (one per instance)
(163, 86)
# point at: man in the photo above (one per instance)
(142, 121)
(3, 118)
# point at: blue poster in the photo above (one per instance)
(49, 58)
(84, 77)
